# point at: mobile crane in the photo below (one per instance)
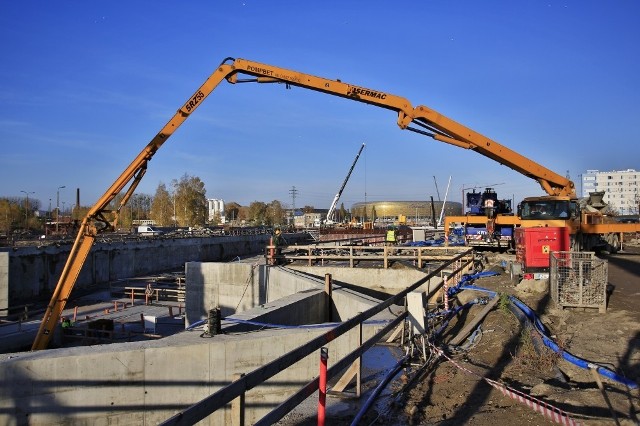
(332, 210)
(426, 121)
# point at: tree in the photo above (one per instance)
(191, 202)
(9, 215)
(308, 209)
(342, 213)
(216, 219)
(232, 210)
(140, 206)
(162, 206)
(124, 216)
(258, 213)
(275, 213)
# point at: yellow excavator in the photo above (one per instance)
(419, 119)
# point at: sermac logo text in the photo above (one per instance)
(194, 101)
(361, 91)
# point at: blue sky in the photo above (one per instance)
(85, 85)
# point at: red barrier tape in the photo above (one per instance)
(549, 411)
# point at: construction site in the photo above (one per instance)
(500, 314)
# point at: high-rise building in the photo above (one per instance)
(621, 188)
(215, 206)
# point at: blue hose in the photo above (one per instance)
(531, 315)
(396, 368)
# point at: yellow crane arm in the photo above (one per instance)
(430, 123)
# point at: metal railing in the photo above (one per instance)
(237, 388)
(318, 254)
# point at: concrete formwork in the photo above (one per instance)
(148, 382)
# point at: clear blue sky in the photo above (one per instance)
(85, 85)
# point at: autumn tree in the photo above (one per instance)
(122, 217)
(162, 206)
(232, 211)
(191, 202)
(275, 213)
(342, 213)
(258, 212)
(10, 214)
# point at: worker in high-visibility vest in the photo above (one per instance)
(391, 238)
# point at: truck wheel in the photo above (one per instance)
(515, 269)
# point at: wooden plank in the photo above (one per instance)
(473, 324)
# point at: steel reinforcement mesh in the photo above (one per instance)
(578, 279)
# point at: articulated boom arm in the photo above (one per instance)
(432, 123)
(100, 218)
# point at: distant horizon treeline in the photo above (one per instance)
(182, 203)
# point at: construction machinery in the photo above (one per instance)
(420, 119)
(332, 210)
(477, 228)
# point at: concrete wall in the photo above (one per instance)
(146, 383)
(34, 271)
(251, 288)
(388, 281)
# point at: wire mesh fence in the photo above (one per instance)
(579, 279)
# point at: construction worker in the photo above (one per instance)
(66, 325)
(278, 242)
(148, 294)
(488, 207)
(391, 237)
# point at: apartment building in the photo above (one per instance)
(621, 188)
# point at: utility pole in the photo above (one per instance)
(294, 192)
(58, 206)
(26, 210)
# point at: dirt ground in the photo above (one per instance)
(510, 353)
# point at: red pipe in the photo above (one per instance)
(322, 385)
(271, 252)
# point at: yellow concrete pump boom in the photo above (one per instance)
(428, 122)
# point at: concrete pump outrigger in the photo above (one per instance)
(426, 121)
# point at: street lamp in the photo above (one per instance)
(58, 206)
(26, 210)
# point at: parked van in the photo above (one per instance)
(148, 230)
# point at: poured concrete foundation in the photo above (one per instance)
(148, 382)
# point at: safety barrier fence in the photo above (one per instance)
(235, 391)
(155, 294)
(314, 254)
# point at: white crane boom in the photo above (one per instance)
(332, 209)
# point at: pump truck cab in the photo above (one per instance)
(102, 217)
